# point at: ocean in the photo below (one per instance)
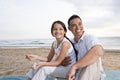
(26, 43)
(107, 42)
(110, 42)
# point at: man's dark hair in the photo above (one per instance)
(73, 17)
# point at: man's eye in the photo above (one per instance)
(80, 23)
(72, 25)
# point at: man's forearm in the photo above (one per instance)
(91, 56)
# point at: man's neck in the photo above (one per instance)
(77, 38)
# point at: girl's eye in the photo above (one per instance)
(61, 29)
(57, 29)
(54, 29)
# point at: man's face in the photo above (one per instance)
(76, 27)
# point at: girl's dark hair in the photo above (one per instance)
(76, 52)
(73, 17)
(59, 22)
(64, 27)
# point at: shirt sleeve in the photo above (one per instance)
(92, 41)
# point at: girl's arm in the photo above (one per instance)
(51, 54)
(41, 58)
(64, 48)
(32, 57)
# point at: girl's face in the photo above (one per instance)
(58, 31)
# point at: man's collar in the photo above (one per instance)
(83, 35)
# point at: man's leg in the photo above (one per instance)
(91, 72)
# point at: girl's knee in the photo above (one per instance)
(45, 69)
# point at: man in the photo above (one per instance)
(88, 66)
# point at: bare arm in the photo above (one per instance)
(41, 58)
(32, 57)
(64, 49)
(51, 54)
(91, 56)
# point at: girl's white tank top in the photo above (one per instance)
(70, 51)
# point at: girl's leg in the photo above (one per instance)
(31, 73)
(43, 72)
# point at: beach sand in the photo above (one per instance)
(13, 62)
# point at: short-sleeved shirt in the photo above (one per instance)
(85, 43)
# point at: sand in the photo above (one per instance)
(13, 62)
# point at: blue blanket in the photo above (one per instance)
(111, 75)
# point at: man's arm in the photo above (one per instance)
(91, 56)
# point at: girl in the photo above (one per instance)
(51, 65)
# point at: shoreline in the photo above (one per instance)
(13, 62)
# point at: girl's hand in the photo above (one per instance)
(31, 57)
(37, 65)
(34, 66)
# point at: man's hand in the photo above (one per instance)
(66, 61)
(71, 73)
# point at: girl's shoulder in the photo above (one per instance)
(66, 42)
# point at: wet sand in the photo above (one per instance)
(13, 62)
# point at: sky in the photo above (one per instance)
(32, 19)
